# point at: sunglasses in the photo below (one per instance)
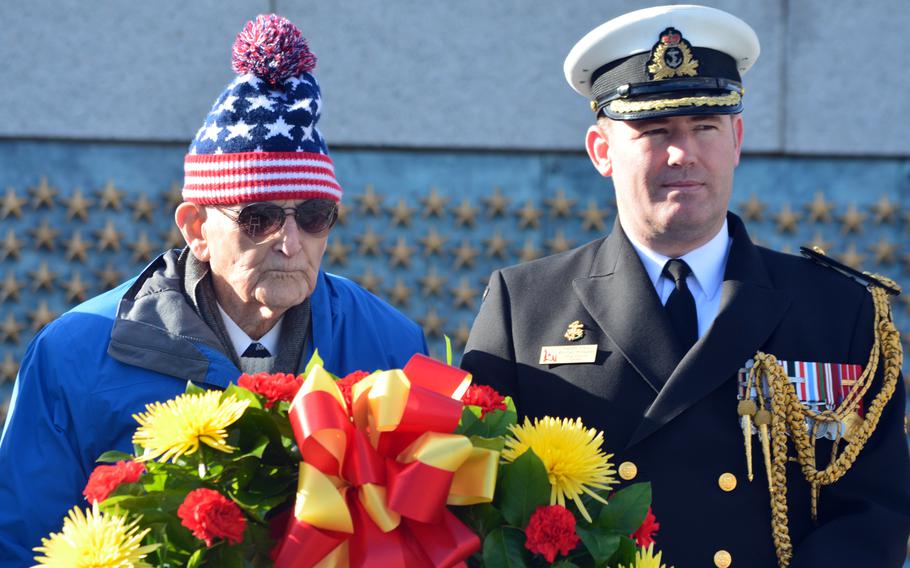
(259, 220)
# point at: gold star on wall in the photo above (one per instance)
(174, 239)
(461, 334)
(559, 243)
(77, 248)
(10, 287)
(820, 210)
(370, 243)
(432, 323)
(819, 241)
(464, 254)
(884, 210)
(143, 249)
(434, 205)
(174, 196)
(401, 214)
(44, 236)
(464, 295)
(110, 197)
(77, 205)
(497, 204)
(432, 283)
(560, 206)
(592, 218)
(528, 251)
(400, 293)
(370, 202)
(753, 209)
(9, 369)
(852, 258)
(109, 276)
(12, 204)
(497, 246)
(852, 220)
(43, 194)
(401, 253)
(465, 214)
(10, 328)
(342, 214)
(787, 219)
(108, 237)
(433, 242)
(142, 208)
(76, 289)
(43, 277)
(338, 251)
(12, 247)
(884, 251)
(41, 316)
(370, 281)
(528, 216)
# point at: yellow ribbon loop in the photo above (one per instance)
(373, 499)
(320, 502)
(475, 480)
(442, 451)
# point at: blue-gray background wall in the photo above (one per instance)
(463, 97)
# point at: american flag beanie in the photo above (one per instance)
(260, 141)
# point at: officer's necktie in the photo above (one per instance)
(256, 349)
(680, 305)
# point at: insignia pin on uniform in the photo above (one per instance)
(575, 331)
(672, 57)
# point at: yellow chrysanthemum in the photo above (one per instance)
(176, 427)
(93, 540)
(570, 452)
(646, 559)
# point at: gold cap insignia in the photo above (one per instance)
(575, 331)
(672, 57)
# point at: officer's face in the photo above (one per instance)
(673, 176)
(276, 272)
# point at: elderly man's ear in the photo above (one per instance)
(190, 219)
(597, 145)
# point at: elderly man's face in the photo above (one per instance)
(673, 176)
(276, 272)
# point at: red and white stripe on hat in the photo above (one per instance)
(225, 179)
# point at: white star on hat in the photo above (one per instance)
(241, 128)
(227, 105)
(211, 132)
(260, 101)
(279, 128)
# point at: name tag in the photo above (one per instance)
(567, 354)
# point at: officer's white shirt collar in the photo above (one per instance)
(241, 340)
(707, 262)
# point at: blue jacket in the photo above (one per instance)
(87, 373)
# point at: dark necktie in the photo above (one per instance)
(256, 349)
(680, 305)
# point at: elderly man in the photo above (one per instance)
(246, 295)
(643, 333)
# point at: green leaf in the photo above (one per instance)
(523, 487)
(196, 558)
(505, 548)
(314, 360)
(481, 518)
(625, 510)
(193, 389)
(625, 554)
(563, 564)
(113, 457)
(241, 394)
(448, 349)
(496, 444)
(600, 544)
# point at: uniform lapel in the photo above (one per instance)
(620, 297)
(750, 310)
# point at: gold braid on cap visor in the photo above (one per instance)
(622, 106)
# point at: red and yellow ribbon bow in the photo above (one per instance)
(375, 479)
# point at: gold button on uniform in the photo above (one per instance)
(722, 559)
(727, 482)
(628, 470)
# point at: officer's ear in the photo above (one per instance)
(190, 219)
(597, 144)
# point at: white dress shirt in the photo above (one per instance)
(242, 341)
(707, 263)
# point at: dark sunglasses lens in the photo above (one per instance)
(316, 215)
(260, 219)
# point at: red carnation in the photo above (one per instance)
(105, 478)
(644, 536)
(273, 386)
(551, 531)
(346, 385)
(211, 515)
(485, 397)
